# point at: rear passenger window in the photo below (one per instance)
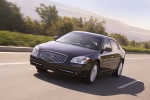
(114, 45)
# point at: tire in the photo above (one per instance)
(41, 69)
(118, 71)
(92, 73)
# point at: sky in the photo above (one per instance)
(132, 12)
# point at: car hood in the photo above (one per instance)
(67, 49)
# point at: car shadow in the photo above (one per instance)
(104, 85)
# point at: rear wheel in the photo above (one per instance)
(118, 71)
(41, 69)
(92, 73)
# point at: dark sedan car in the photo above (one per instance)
(81, 54)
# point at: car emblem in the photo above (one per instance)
(51, 56)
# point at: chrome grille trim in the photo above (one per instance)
(53, 57)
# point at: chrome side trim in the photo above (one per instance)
(36, 63)
(65, 71)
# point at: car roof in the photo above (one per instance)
(103, 37)
(92, 34)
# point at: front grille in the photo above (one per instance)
(53, 57)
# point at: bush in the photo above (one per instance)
(134, 49)
(19, 39)
(28, 40)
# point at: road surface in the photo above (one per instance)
(20, 81)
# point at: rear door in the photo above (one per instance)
(116, 53)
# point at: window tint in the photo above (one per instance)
(114, 45)
(107, 43)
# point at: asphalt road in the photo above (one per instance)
(20, 81)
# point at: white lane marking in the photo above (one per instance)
(139, 58)
(125, 85)
(15, 52)
(20, 63)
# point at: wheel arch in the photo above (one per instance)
(122, 59)
(99, 63)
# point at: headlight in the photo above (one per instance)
(80, 60)
(36, 50)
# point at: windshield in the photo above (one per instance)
(79, 39)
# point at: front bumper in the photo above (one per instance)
(68, 68)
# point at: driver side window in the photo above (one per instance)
(107, 43)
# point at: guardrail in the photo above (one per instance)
(29, 49)
(15, 49)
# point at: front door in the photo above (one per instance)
(107, 58)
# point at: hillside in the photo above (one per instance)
(112, 26)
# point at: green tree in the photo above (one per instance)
(93, 25)
(49, 17)
(132, 43)
(10, 17)
(33, 26)
(65, 25)
(146, 45)
(78, 24)
(37, 28)
(28, 25)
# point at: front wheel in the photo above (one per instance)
(118, 71)
(92, 73)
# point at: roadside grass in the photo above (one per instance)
(18, 39)
(8, 38)
(136, 49)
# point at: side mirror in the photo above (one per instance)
(108, 49)
(56, 37)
